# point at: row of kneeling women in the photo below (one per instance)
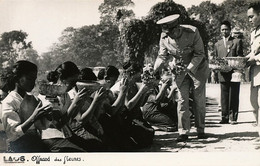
(59, 115)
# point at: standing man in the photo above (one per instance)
(253, 14)
(183, 42)
(228, 46)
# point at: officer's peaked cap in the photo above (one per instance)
(168, 19)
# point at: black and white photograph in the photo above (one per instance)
(130, 82)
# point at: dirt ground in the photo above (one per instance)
(242, 137)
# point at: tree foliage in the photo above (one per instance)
(93, 45)
(212, 15)
(31, 55)
(60, 51)
(8, 39)
(12, 46)
(110, 11)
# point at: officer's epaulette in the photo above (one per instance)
(188, 28)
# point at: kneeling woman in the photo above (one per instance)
(22, 136)
(87, 130)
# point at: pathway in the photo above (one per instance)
(242, 137)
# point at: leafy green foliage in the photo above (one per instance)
(109, 10)
(8, 39)
(211, 15)
(12, 45)
(135, 32)
(93, 45)
(31, 55)
(232, 10)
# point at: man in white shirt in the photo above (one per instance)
(254, 58)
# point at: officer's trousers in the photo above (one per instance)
(199, 98)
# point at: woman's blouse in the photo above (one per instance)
(10, 117)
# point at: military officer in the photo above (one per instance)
(183, 43)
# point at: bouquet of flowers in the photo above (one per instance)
(177, 66)
(148, 76)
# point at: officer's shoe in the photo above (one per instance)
(224, 122)
(234, 122)
(182, 138)
(202, 136)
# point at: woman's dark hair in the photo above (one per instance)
(19, 69)
(53, 76)
(101, 74)
(112, 71)
(227, 23)
(255, 6)
(67, 69)
(87, 74)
